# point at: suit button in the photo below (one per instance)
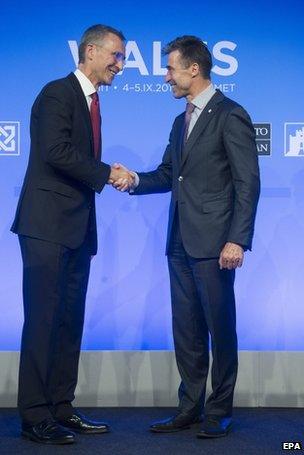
(180, 178)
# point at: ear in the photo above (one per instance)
(195, 69)
(90, 51)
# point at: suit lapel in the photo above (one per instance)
(83, 106)
(208, 112)
(179, 140)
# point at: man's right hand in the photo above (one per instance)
(125, 180)
(120, 177)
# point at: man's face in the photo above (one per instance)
(107, 59)
(179, 77)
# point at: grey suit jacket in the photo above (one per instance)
(214, 181)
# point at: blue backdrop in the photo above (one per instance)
(258, 61)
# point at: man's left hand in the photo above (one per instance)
(231, 257)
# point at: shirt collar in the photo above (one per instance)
(85, 83)
(203, 98)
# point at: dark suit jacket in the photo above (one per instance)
(215, 183)
(57, 201)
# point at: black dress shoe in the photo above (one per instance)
(47, 432)
(81, 424)
(178, 422)
(215, 427)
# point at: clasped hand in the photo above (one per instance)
(121, 178)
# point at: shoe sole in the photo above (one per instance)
(30, 437)
(210, 435)
(176, 429)
(88, 431)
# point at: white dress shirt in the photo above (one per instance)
(86, 85)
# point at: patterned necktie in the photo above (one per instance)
(96, 122)
(189, 109)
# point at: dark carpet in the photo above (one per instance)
(256, 431)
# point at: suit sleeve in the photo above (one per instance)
(159, 180)
(54, 122)
(239, 141)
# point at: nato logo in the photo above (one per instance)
(9, 138)
(263, 138)
(294, 139)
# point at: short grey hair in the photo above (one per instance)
(95, 35)
(192, 50)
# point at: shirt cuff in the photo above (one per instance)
(136, 182)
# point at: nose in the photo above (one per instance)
(120, 64)
(167, 77)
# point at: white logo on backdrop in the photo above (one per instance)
(294, 139)
(9, 138)
(135, 58)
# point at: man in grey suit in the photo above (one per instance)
(210, 165)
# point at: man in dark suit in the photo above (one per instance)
(211, 168)
(56, 225)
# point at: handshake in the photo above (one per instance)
(121, 178)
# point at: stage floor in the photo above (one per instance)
(256, 431)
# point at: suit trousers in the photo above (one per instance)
(203, 307)
(55, 282)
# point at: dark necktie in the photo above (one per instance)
(96, 122)
(189, 109)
